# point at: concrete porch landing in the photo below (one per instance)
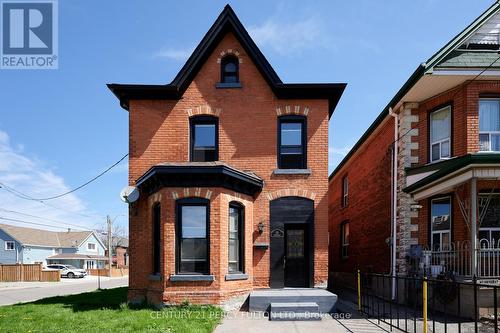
(260, 300)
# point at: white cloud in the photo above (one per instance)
(32, 177)
(336, 155)
(287, 37)
(173, 54)
(342, 151)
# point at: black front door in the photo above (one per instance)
(296, 248)
(291, 242)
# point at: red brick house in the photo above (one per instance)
(232, 168)
(419, 192)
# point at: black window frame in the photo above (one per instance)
(203, 120)
(223, 74)
(156, 237)
(178, 234)
(293, 119)
(241, 237)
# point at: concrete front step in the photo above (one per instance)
(294, 311)
(260, 300)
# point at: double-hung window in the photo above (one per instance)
(204, 139)
(236, 228)
(9, 245)
(441, 224)
(440, 134)
(344, 239)
(489, 209)
(345, 191)
(489, 125)
(292, 142)
(193, 217)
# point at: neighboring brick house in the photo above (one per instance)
(447, 168)
(232, 168)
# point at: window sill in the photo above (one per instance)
(292, 172)
(236, 276)
(155, 277)
(223, 85)
(262, 246)
(191, 277)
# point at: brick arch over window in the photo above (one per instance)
(203, 110)
(291, 193)
(192, 192)
(292, 110)
(232, 52)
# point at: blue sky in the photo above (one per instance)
(58, 128)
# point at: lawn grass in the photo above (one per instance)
(105, 311)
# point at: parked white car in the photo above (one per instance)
(69, 271)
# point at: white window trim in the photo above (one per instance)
(10, 242)
(89, 249)
(345, 191)
(487, 132)
(440, 142)
(441, 232)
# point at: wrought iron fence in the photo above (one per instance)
(415, 304)
(457, 259)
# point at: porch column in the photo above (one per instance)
(473, 224)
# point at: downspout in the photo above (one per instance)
(394, 199)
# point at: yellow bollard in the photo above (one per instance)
(424, 304)
(359, 290)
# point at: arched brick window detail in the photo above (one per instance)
(291, 192)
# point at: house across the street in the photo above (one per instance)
(82, 249)
(232, 168)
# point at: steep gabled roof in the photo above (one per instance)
(228, 22)
(441, 56)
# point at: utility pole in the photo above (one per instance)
(110, 242)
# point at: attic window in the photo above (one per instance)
(229, 77)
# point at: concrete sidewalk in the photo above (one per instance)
(20, 292)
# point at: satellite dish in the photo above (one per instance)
(129, 194)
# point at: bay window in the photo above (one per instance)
(489, 125)
(193, 216)
(441, 224)
(440, 134)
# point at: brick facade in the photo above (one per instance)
(369, 175)
(369, 208)
(159, 132)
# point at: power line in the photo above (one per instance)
(28, 197)
(22, 196)
(39, 217)
(34, 223)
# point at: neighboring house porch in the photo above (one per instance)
(460, 198)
